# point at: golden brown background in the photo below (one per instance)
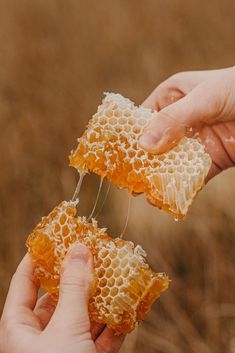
(56, 59)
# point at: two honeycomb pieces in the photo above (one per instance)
(124, 285)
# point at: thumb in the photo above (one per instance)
(202, 105)
(75, 283)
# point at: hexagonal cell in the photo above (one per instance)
(102, 121)
(101, 272)
(127, 113)
(109, 300)
(131, 153)
(191, 156)
(170, 155)
(57, 228)
(136, 129)
(65, 231)
(190, 170)
(115, 263)
(108, 113)
(93, 137)
(125, 272)
(180, 169)
(99, 300)
(103, 282)
(133, 263)
(113, 254)
(63, 219)
(114, 291)
(177, 162)
(117, 113)
(122, 121)
(135, 146)
(182, 155)
(138, 164)
(196, 147)
(124, 262)
(127, 129)
(98, 291)
(105, 292)
(67, 242)
(103, 253)
(109, 272)
(132, 121)
(113, 121)
(170, 170)
(106, 262)
(117, 272)
(111, 282)
(118, 129)
(119, 281)
(99, 263)
(140, 153)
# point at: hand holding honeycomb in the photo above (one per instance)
(124, 287)
(109, 147)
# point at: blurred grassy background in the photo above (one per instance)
(56, 59)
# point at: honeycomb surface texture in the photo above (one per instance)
(124, 285)
(109, 147)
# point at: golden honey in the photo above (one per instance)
(109, 147)
(124, 287)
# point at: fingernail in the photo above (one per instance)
(148, 140)
(80, 252)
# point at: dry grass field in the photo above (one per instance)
(56, 59)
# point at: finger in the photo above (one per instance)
(96, 330)
(23, 290)
(172, 123)
(163, 96)
(177, 86)
(44, 309)
(76, 278)
(109, 342)
(219, 141)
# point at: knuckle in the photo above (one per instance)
(168, 117)
(178, 82)
(170, 90)
(74, 282)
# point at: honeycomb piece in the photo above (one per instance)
(109, 147)
(124, 287)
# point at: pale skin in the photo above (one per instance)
(31, 325)
(199, 104)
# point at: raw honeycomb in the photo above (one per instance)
(109, 147)
(124, 287)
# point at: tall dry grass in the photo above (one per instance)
(56, 59)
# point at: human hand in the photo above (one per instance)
(30, 325)
(198, 104)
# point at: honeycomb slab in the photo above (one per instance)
(109, 147)
(124, 285)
